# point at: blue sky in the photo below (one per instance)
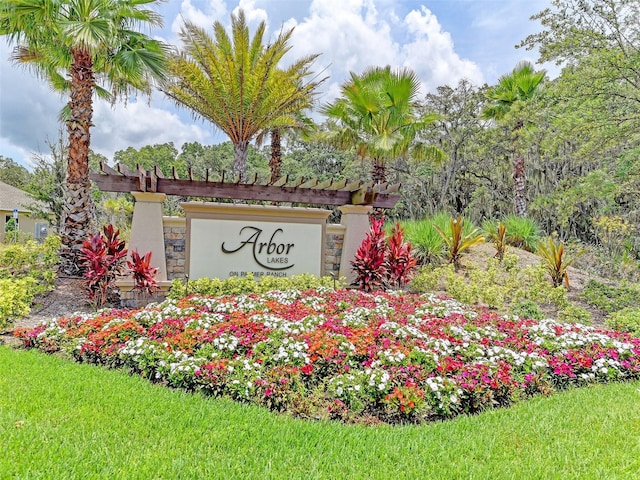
(443, 41)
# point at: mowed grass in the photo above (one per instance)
(61, 420)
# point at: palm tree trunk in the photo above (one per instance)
(240, 150)
(275, 163)
(78, 211)
(378, 175)
(519, 188)
(379, 171)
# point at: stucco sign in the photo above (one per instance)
(262, 241)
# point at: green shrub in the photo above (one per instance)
(424, 237)
(625, 320)
(426, 279)
(526, 309)
(534, 285)
(25, 271)
(240, 285)
(510, 262)
(574, 314)
(31, 259)
(16, 295)
(521, 232)
(611, 298)
(497, 286)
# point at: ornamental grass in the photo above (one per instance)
(361, 357)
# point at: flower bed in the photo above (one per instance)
(345, 354)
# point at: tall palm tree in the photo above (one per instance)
(515, 88)
(377, 114)
(304, 126)
(235, 82)
(82, 47)
(294, 121)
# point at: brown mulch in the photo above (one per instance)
(67, 297)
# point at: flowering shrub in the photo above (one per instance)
(345, 354)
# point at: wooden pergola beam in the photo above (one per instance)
(197, 188)
(338, 185)
(312, 192)
(325, 184)
(312, 182)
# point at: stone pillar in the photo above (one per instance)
(146, 230)
(334, 242)
(356, 220)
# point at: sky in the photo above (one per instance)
(443, 41)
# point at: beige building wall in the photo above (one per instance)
(26, 224)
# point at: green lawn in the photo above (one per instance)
(62, 420)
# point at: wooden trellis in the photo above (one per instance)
(285, 189)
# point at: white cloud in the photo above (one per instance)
(253, 14)
(431, 54)
(28, 111)
(214, 10)
(353, 35)
(348, 35)
(29, 119)
(137, 124)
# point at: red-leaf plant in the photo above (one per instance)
(369, 263)
(144, 275)
(103, 256)
(400, 259)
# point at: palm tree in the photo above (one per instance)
(235, 82)
(295, 122)
(515, 88)
(82, 47)
(377, 115)
(303, 127)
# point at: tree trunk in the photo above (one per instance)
(378, 172)
(450, 171)
(275, 163)
(78, 220)
(78, 211)
(378, 175)
(519, 188)
(240, 150)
